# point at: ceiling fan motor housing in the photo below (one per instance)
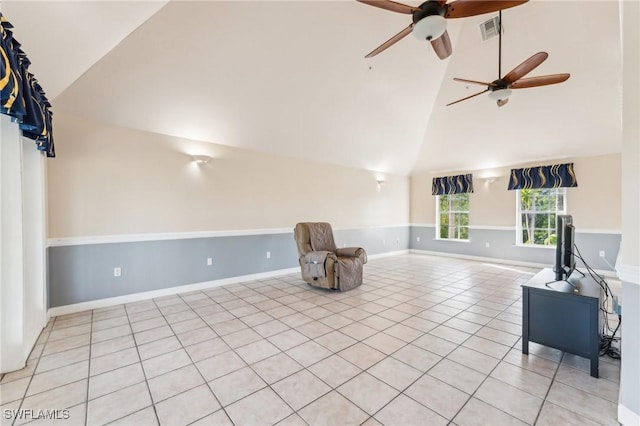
(428, 8)
(498, 85)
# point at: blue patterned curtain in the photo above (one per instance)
(21, 96)
(452, 185)
(555, 176)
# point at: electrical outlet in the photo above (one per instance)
(601, 253)
(418, 239)
(268, 255)
(397, 240)
(344, 245)
(117, 271)
(209, 261)
(487, 245)
(384, 242)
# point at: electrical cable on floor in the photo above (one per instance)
(606, 340)
(606, 343)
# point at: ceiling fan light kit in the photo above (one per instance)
(499, 94)
(430, 27)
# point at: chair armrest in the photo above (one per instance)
(316, 257)
(352, 252)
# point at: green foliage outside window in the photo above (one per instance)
(538, 210)
(453, 216)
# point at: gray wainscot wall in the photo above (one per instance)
(85, 272)
(501, 245)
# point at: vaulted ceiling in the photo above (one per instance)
(290, 78)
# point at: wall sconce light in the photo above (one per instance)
(491, 179)
(201, 159)
(380, 182)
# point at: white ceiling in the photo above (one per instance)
(63, 39)
(290, 78)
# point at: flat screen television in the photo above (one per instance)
(565, 238)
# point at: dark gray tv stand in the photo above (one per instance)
(554, 314)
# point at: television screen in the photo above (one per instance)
(565, 237)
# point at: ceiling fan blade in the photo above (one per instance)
(468, 97)
(442, 45)
(526, 67)
(390, 5)
(465, 8)
(393, 40)
(543, 80)
(502, 102)
(482, 83)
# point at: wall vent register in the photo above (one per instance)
(489, 28)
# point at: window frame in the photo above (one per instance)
(519, 213)
(459, 227)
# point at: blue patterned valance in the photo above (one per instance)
(555, 176)
(448, 185)
(21, 96)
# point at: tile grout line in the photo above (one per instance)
(395, 281)
(489, 375)
(192, 361)
(555, 373)
(283, 378)
(269, 385)
(86, 408)
(144, 374)
(24, 396)
(478, 387)
(391, 355)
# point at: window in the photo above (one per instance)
(453, 217)
(537, 210)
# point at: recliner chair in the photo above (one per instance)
(322, 263)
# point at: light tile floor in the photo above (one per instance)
(424, 341)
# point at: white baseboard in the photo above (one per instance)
(480, 258)
(627, 417)
(112, 301)
(512, 228)
(607, 274)
(387, 254)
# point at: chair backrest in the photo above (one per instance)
(314, 236)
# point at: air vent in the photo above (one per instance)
(489, 29)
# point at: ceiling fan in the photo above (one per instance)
(430, 19)
(500, 89)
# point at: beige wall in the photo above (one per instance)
(631, 135)
(110, 181)
(594, 204)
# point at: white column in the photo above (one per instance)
(628, 267)
(22, 246)
(33, 242)
(11, 248)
